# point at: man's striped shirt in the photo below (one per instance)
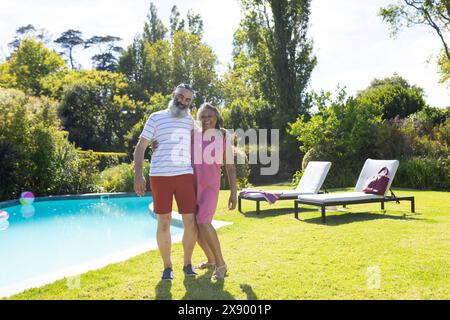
(173, 155)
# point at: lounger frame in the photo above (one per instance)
(259, 199)
(325, 204)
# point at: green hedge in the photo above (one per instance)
(107, 159)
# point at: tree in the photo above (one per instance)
(394, 96)
(133, 65)
(69, 40)
(106, 60)
(431, 13)
(29, 66)
(96, 110)
(176, 24)
(28, 31)
(281, 26)
(195, 23)
(154, 28)
(195, 62)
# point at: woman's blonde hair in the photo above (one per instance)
(206, 105)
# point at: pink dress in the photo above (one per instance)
(207, 159)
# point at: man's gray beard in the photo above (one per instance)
(176, 111)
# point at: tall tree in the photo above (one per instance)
(107, 59)
(195, 23)
(176, 23)
(434, 14)
(69, 40)
(154, 28)
(281, 27)
(28, 31)
(273, 34)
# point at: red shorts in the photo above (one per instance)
(164, 188)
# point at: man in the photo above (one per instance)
(171, 174)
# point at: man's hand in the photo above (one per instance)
(139, 180)
(139, 185)
(155, 145)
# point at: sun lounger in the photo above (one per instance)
(310, 183)
(371, 168)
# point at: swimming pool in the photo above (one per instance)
(62, 238)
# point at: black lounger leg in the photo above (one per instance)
(296, 209)
(257, 206)
(323, 214)
(382, 205)
(240, 204)
(413, 209)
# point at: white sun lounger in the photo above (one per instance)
(371, 168)
(310, 183)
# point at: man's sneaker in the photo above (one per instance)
(167, 274)
(189, 271)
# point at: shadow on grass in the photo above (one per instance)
(268, 212)
(351, 217)
(162, 290)
(203, 288)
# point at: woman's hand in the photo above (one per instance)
(232, 201)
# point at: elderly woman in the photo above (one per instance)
(211, 148)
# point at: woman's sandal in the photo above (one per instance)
(205, 265)
(220, 272)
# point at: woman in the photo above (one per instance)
(211, 149)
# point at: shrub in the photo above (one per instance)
(424, 173)
(120, 178)
(34, 154)
(107, 159)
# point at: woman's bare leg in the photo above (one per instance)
(209, 236)
(205, 247)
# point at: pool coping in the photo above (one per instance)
(9, 203)
(74, 271)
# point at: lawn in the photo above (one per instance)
(363, 253)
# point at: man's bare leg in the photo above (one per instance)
(163, 238)
(189, 237)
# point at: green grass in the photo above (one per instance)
(274, 256)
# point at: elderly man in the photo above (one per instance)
(171, 174)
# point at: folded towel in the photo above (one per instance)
(271, 197)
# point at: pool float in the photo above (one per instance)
(4, 215)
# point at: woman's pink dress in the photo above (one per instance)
(207, 172)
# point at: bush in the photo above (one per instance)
(424, 173)
(120, 178)
(34, 154)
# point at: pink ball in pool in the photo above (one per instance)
(26, 198)
(4, 215)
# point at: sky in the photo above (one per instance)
(352, 44)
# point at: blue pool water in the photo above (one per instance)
(66, 233)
